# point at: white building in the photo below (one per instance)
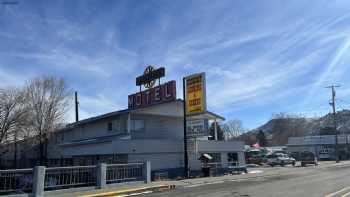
(153, 134)
(322, 146)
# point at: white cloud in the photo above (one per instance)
(8, 79)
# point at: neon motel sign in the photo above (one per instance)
(153, 95)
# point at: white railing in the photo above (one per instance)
(40, 178)
(16, 180)
(117, 173)
(61, 177)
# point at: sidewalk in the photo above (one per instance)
(112, 190)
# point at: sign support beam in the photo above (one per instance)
(186, 172)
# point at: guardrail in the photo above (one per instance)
(40, 178)
(62, 177)
(117, 173)
(16, 180)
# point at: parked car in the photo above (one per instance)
(254, 157)
(279, 159)
(308, 158)
(255, 160)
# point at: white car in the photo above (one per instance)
(279, 159)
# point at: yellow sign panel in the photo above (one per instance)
(195, 94)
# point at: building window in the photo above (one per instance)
(60, 138)
(137, 125)
(110, 126)
(216, 157)
(232, 159)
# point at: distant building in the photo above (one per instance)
(321, 145)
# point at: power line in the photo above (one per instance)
(343, 105)
(344, 101)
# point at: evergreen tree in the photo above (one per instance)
(261, 138)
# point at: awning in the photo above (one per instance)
(207, 156)
(175, 109)
(207, 115)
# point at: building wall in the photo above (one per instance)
(159, 161)
(140, 146)
(94, 129)
(156, 127)
(318, 139)
(220, 146)
(159, 127)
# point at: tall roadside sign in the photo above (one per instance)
(194, 95)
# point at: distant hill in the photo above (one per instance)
(278, 129)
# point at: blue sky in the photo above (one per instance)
(260, 57)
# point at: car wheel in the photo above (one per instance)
(302, 164)
(293, 164)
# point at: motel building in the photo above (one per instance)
(150, 129)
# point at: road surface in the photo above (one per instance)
(326, 180)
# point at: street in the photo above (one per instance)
(327, 180)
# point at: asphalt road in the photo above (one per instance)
(325, 180)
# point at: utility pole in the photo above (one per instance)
(334, 121)
(76, 107)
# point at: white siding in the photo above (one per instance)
(160, 160)
(159, 127)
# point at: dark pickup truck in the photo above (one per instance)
(308, 158)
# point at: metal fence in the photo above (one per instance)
(117, 173)
(64, 177)
(23, 181)
(18, 180)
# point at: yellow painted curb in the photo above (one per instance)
(126, 191)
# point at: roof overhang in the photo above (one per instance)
(207, 115)
(170, 109)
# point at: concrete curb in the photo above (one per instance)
(130, 191)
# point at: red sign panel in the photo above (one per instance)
(159, 94)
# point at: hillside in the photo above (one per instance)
(277, 130)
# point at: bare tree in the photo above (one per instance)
(233, 128)
(47, 98)
(12, 113)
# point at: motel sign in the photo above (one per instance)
(159, 94)
(152, 95)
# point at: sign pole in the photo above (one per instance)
(186, 173)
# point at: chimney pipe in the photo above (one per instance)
(76, 107)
